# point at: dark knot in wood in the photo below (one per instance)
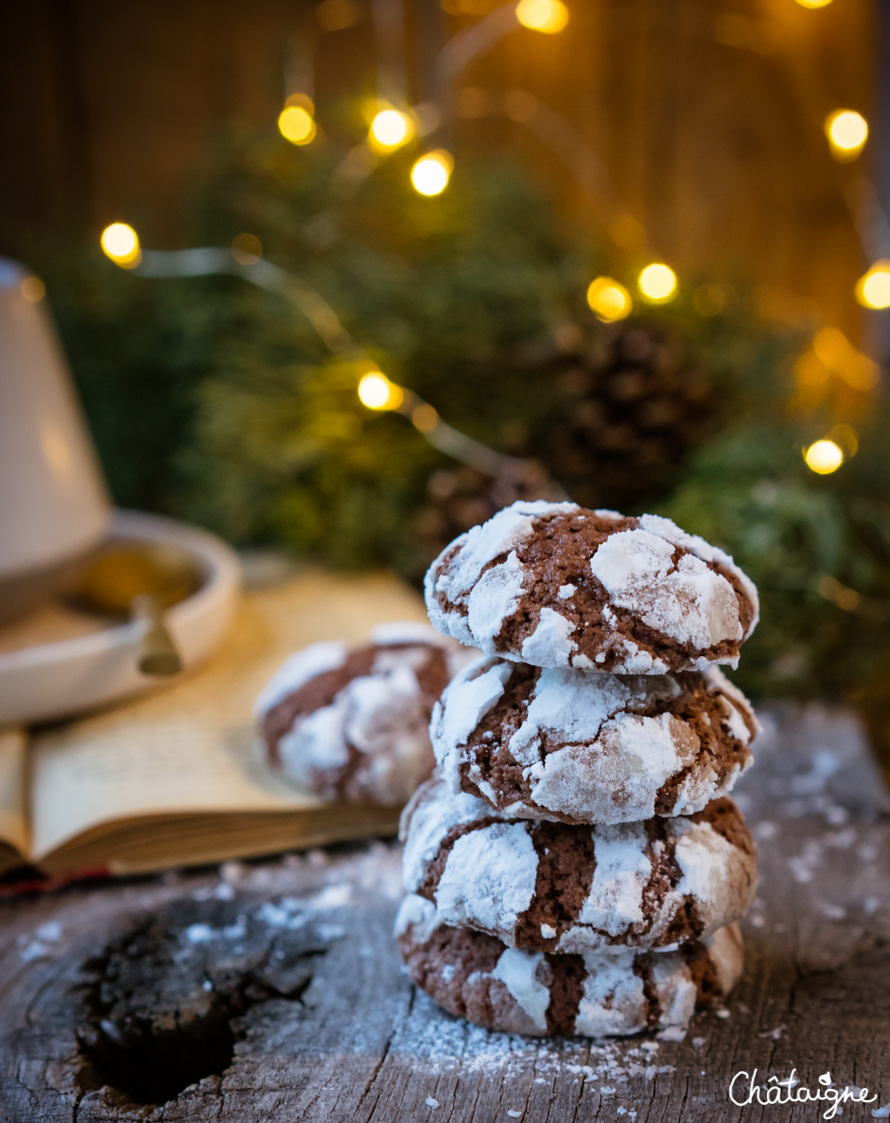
(163, 1003)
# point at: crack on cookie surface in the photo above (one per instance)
(566, 865)
(643, 970)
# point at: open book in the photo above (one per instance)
(173, 778)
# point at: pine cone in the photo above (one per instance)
(633, 405)
(461, 497)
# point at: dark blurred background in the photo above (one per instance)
(705, 118)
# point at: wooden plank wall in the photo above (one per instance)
(706, 116)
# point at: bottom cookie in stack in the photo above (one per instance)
(613, 991)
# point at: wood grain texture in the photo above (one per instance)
(280, 982)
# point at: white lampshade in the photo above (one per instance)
(53, 501)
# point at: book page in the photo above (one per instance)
(189, 747)
(13, 805)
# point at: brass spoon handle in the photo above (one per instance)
(157, 651)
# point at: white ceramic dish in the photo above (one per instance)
(42, 681)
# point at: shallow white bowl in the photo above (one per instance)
(41, 681)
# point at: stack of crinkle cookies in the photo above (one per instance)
(575, 866)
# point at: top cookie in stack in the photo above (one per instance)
(555, 585)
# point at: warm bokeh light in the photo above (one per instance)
(424, 417)
(609, 299)
(32, 289)
(837, 354)
(431, 173)
(823, 457)
(873, 288)
(247, 249)
(120, 242)
(377, 392)
(847, 132)
(296, 124)
(548, 16)
(390, 128)
(337, 15)
(658, 282)
(831, 346)
(814, 3)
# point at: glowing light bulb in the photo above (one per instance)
(548, 16)
(609, 299)
(296, 124)
(120, 242)
(391, 128)
(847, 132)
(377, 392)
(247, 249)
(424, 417)
(431, 173)
(32, 289)
(814, 3)
(658, 282)
(873, 289)
(823, 457)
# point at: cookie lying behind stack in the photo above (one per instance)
(353, 724)
(577, 867)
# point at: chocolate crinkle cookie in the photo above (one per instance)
(555, 585)
(582, 748)
(554, 887)
(616, 991)
(353, 725)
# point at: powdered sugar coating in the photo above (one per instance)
(613, 1000)
(703, 856)
(431, 821)
(591, 748)
(297, 670)
(668, 529)
(553, 632)
(622, 872)
(494, 596)
(382, 716)
(479, 547)
(518, 971)
(626, 596)
(685, 601)
(414, 912)
(489, 878)
(353, 724)
(644, 887)
(617, 991)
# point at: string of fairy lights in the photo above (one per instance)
(392, 127)
(375, 391)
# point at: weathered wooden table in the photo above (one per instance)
(272, 991)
